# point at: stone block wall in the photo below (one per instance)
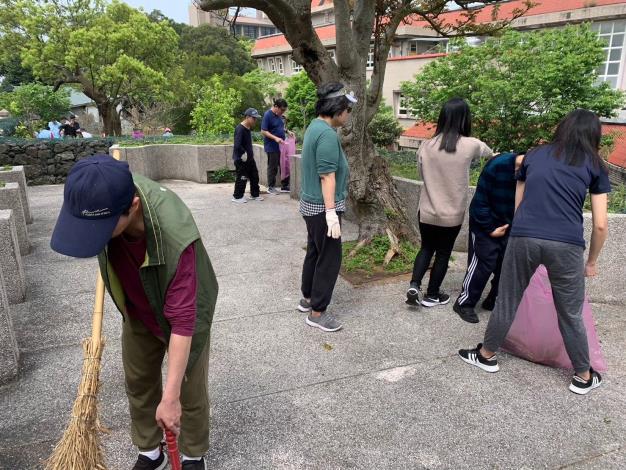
(10, 259)
(10, 199)
(16, 175)
(9, 353)
(48, 161)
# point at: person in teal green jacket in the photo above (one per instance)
(160, 278)
(324, 190)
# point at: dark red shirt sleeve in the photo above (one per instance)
(180, 300)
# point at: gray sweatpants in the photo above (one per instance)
(565, 265)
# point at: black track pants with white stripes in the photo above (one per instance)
(484, 258)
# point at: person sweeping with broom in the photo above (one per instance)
(158, 273)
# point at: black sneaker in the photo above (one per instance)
(285, 190)
(146, 463)
(489, 304)
(582, 386)
(475, 358)
(466, 313)
(413, 296)
(434, 300)
(194, 464)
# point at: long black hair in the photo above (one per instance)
(330, 107)
(577, 138)
(455, 120)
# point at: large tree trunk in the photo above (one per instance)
(110, 118)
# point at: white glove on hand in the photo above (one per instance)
(332, 220)
(244, 157)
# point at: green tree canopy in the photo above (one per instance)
(113, 52)
(267, 83)
(34, 102)
(13, 73)
(384, 128)
(518, 85)
(213, 113)
(301, 95)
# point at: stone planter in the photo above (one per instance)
(10, 259)
(9, 353)
(17, 175)
(10, 199)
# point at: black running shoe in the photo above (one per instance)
(146, 463)
(194, 464)
(582, 386)
(466, 313)
(475, 358)
(413, 296)
(489, 304)
(433, 300)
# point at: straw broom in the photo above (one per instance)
(80, 447)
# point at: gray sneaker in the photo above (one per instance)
(273, 191)
(325, 322)
(257, 198)
(241, 200)
(304, 306)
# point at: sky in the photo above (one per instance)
(177, 10)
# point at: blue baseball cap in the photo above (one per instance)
(98, 190)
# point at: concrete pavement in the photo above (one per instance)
(386, 392)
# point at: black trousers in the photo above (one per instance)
(436, 241)
(273, 164)
(321, 263)
(246, 171)
(484, 258)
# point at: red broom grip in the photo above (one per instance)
(172, 450)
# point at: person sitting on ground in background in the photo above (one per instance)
(324, 190)
(243, 157)
(490, 216)
(45, 133)
(273, 131)
(137, 134)
(159, 275)
(547, 229)
(55, 128)
(167, 132)
(444, 164)
(74, 123)
(67, 130)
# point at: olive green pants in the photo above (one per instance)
(142, 355)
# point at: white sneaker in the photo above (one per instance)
(241, 200)
(273, 191)
(258, 198)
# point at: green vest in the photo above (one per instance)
(170, 229)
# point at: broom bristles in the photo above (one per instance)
(80, 447)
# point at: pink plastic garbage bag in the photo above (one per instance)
(287, 149)
(535, 334)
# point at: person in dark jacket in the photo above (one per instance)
(490, 215)
(243, 157)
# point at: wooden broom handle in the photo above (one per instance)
(98, 308)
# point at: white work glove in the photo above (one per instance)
(244, 157)
(332, 220)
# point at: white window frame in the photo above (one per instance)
(271, 63)
(370, 59)
(403, 110)
(279, 66)
(609, 31)
(295, 66)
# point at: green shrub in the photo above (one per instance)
(402, 163)
(369, 259)
(223, 175)
(384, 128)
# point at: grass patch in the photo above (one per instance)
(616, 200)
(1, 184)
(6, 168)
(368, 261)
(402, 163)
(221, 139)
(222, 175)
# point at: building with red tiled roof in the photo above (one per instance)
(251, 27)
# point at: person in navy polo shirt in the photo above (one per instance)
(273, 130)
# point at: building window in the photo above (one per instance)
(250, 32)
(272, 64)
(260, 64)
(332, 54)
(612, 33)
(279, 65)
(413, 48)
(295, 66)
(370, 59)
(267, 30)
(403, 107)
